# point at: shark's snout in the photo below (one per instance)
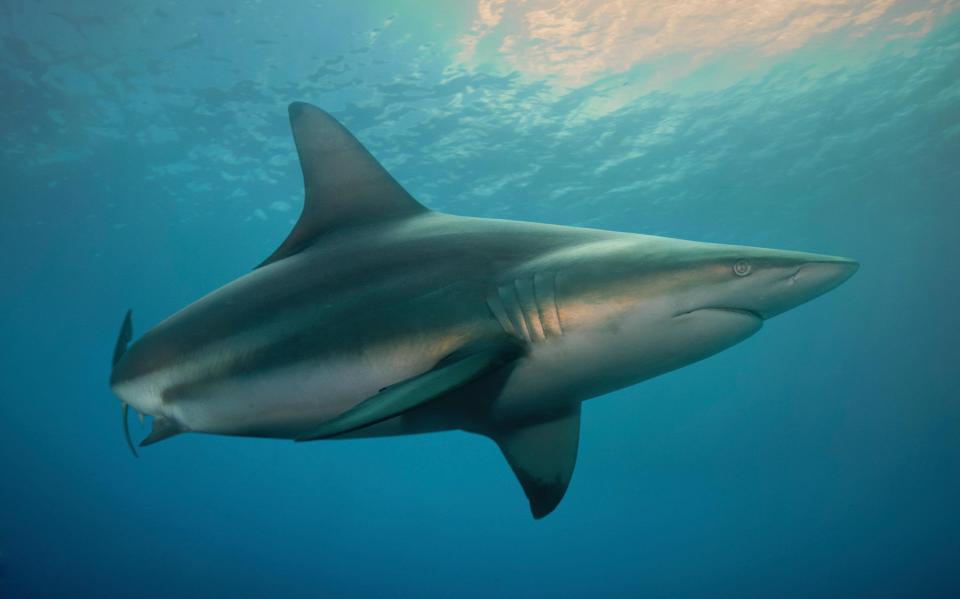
(798, 283)
(827, 275)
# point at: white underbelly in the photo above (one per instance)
(580, 366)
(290, 401)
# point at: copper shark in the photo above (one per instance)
(378, 316)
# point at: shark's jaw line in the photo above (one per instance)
(741, 311)
(377, 316)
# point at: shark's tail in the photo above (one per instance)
(123, 339)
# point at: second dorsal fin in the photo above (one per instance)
(343, 184)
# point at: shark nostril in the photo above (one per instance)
(792, 279)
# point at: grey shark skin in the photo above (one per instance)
(379, 317)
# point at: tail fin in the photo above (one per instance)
(124, 337)
(125, 409)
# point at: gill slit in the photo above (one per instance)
(526, 307)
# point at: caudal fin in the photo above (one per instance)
(123, 338)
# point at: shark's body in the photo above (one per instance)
(380, 317)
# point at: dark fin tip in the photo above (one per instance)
(125, 410)
(545, 497)
(295, 108)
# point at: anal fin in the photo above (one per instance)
(163, 428)
(542, 455)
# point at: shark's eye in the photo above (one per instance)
(741, 268)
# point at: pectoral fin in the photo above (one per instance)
(542, 455)
(457, 369)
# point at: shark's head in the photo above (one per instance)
(663, 303)
(754, 282)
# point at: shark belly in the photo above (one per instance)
(282, 381)
(281, 402)
(583, 364)
(286, 402)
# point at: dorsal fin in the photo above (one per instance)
(343, 184)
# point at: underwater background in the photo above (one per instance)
(146, 160)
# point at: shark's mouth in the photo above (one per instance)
(741, 311)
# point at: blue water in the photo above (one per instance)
(145, 160)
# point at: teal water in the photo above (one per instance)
(146, 160)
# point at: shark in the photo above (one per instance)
(377, 316)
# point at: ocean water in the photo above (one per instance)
(146, 160)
